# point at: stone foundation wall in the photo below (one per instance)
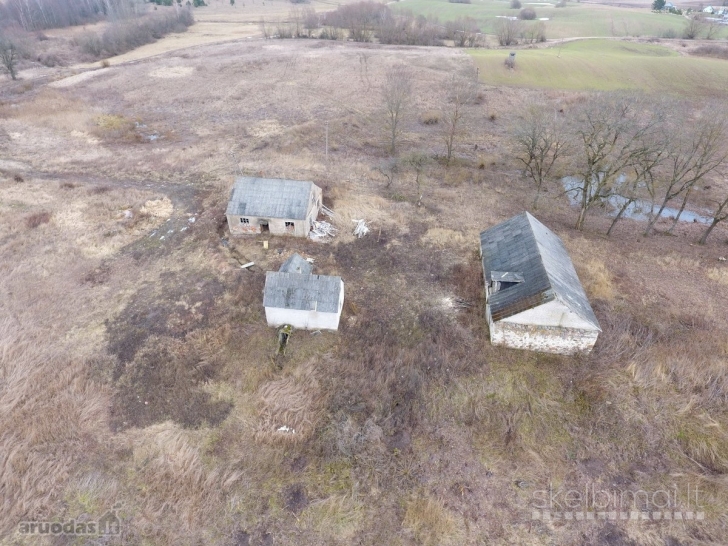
(546, 339)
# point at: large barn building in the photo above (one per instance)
(534, 299)
(281, 207)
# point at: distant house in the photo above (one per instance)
(709, 9)
(534, 299)
(282, 207)
(294, 296)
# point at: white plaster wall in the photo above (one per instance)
(553, 313)
(302, 320)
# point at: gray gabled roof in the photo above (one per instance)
(270, 198)
(296, 264)
(525, 247)
(302, 292)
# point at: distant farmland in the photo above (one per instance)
(573, 20)
(603, 65)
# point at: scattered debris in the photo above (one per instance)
(321, 230)
(191, 220)
(361, 228)
(327, 211)
(456, 303)
(721, 259)
(246, 266)
(285, 428)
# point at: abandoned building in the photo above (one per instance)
(296, 264)
(534, 299)
(293, 295)
(281, 207)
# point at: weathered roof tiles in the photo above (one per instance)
(270, 198)
(303, 292)
(539, 267)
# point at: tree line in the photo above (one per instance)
(368, 20)
(33, 15)
(624, 151)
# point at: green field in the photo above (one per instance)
(606, 65)
(574, 20)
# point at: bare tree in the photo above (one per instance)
(691, 159)
(693, 28)
(508, 31)
(712, 27)
(396, 94)
(644, 170)
(8, 56)
(540, 141)
(389, 169)
(418, 161)
(720, 215)
(610, 133)
(461, 90)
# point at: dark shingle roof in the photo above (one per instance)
(303, 292)
(524, 246)
(296, 264)
(270, 198)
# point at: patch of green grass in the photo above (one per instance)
(606, 65)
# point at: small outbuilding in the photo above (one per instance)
(297, 264)
(281, 207)
(534, 299)
(293, 295)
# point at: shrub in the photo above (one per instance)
(459, 1)
(516, 4)
(37, 218)
(50, 59)
(124, 36)
(508, 31)
(669, 34)
(719, 52)
(534, 33)
(331, 33)
(527, 14)
(430, 117)
(90, 43)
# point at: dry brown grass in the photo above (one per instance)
(413, 429)
(431, 523)
(290, 407)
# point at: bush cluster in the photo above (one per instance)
(126, 35)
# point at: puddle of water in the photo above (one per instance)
(637, 210)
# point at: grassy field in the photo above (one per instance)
(136, 366)
(589, 65)
(574, 20)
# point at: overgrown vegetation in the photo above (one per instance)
(123, 36)
(368, 20)
(153, 381)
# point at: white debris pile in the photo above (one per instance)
(321, 230)
(286, 428)
(361, 228)
(327, 211)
